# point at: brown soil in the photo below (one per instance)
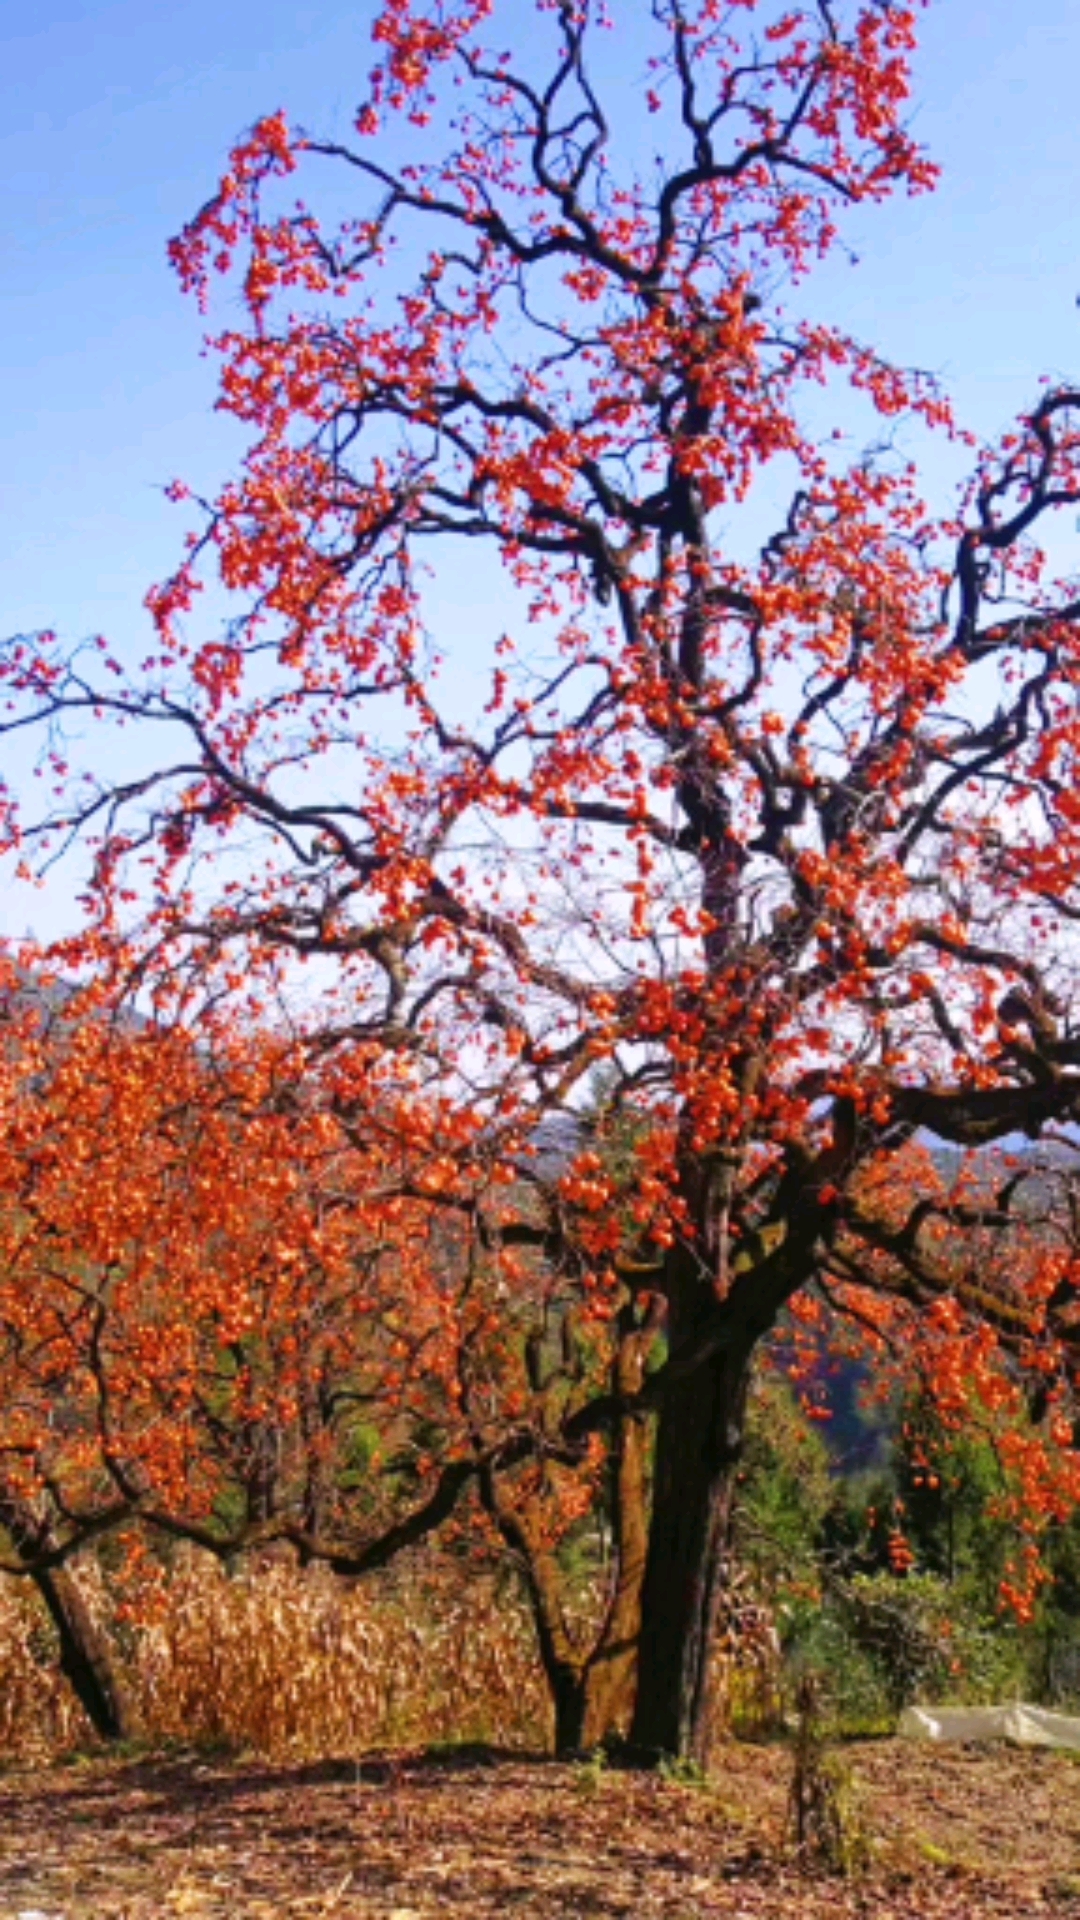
(954, 1833)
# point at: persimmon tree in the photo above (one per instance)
(236, 1311)
(216, 1309)
(975, 1321)
(766, 804)
(44, 1523)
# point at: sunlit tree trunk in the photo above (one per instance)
(591, 1681)
(612, 1669)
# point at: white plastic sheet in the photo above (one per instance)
(1022, 1725)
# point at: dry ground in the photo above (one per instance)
(957, 1833)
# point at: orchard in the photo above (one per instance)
(581, 1004)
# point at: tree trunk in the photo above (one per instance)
(698, 1445)
(612, 1667)
(87, 1658)
(592, 1688)
(568, 1695)
(723, 1298)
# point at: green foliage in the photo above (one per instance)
(818, 1542)
(590, 1773)
(680, 1771)
(925, 1639)
(786, 1486)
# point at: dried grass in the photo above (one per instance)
(278, 1661)
(39, 1715)
(281, 1662)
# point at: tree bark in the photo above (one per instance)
(612, 1667)
(698, 1446)
(723, 1299)
(591, 1685)
(87, 1658)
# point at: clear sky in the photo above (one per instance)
(116, 115)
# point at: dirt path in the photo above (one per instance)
(956, 1834)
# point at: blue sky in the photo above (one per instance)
(116, 115)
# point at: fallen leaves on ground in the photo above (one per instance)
(954, 1832)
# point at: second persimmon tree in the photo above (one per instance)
(756, 853)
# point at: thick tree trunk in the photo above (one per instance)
(698, 1445)
(723, 1298)
(87, 1658)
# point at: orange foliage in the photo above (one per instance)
(752, 869)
